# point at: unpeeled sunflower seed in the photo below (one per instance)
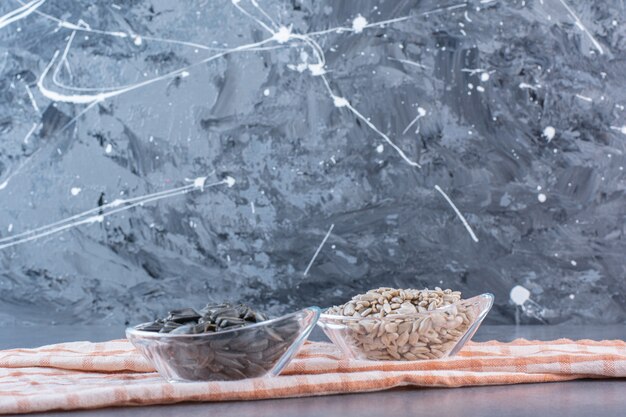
(241, 354)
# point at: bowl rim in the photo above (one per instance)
(324, 316)
(132, 330)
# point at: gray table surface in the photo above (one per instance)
(604, 398)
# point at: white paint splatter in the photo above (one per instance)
(542, 197)
(260, 22)
(282, 35)
(75, 190)
(4, 184)
(319, 248)
(109, 148)
(529, 86)
(32, 99)
(359, 23)
(83, 26)
(230, 181)
(381, 134)
(421, 112)
(519, 295)
(256, 6)
(30, 132)
(199, 182)
(549, 133)
(458, 213)
(379, 23)
(621, 129)
(266, 92)
(20, 12)
(316, 69)
(484, 76)
(574, 263)
(473, 71)
(88, 217)
(340, 101)
(406, 61)
(580, 96)
(580, 25)
(445, 9)
(380, 148)
(117, 202)
(103, 95)
(10, 228)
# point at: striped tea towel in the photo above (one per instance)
(82, 375)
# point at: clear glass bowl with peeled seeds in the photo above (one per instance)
(222, 342)
(404, 324)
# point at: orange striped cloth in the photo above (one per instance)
(82, 375)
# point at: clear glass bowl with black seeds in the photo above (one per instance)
(198, 352)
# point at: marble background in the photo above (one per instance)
(285, 153)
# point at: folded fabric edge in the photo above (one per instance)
(139, 395)
(560, 341)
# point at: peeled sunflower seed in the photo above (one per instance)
(396, 331)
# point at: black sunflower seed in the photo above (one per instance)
(230, 353)
(183, 315)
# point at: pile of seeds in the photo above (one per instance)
(384, 301)
(396, 331)
(211, 353)
(212, 318)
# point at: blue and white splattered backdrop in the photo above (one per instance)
(286, 153)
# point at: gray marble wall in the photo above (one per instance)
(163, 153)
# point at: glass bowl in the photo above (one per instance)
(435, 334)
(252, 351)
